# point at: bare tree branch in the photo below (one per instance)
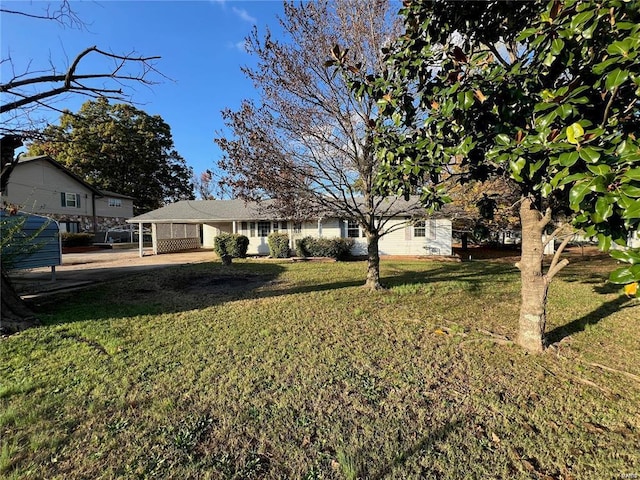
(71, 81)
(63, 14)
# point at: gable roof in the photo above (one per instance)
(62, 168)
(202, 211)
(108, 193)
(59, 166)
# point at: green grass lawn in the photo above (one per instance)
(280, 370)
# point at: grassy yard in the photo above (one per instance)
(280, 370)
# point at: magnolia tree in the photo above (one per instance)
(547, 94)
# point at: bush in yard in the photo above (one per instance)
(278, 245)
(301, 251)
(76, 239)
(230, 245)
(338, 248)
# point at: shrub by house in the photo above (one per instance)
(230, 245)
(338, 248)
(278, 245)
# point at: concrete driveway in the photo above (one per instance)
(79, 270)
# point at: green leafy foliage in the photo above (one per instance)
(231, 245)
(627, 275)
(122, 149)
(278, 245)
(555, 107)
(338, 248)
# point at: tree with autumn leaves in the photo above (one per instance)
(308, 142)
(546, 94)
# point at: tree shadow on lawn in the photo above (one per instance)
(426, 443)
(580, 324)
(185, 288)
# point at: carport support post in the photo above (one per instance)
(140, 240)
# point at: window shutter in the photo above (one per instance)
(407, 231)
(432, 229)
(63, 199)
(343, 228)
(77, 200)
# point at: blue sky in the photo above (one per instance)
(200, 42)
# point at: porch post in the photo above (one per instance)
(140, 240)
(154, 238)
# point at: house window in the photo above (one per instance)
(420, 229)
(277, 226)
(71, 200)
(69, 227)
(297, 227)
(353, 229)
(264, 229)
(115, 202)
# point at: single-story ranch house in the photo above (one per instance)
(191, 224)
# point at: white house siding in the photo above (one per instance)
(432, 239)
(257, 245)
(401, 239)
(212, 230)
(330, 228)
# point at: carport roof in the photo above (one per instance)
(202, 211)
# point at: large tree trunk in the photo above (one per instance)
(15, 315)
(534, 282)
(534, 286)
(373, 262)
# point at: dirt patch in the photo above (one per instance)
(205, 283)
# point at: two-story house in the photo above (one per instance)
(43, 186)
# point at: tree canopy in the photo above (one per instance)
(547, 94)
(122, 149)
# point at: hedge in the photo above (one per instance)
(76, 239)
(278, 245)
(338, 248)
